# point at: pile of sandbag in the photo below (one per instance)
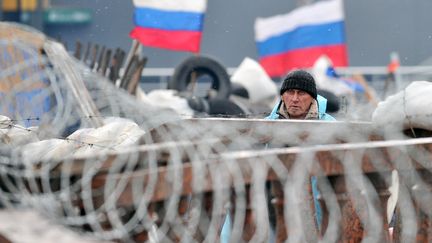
(115, 134)
(166, 98)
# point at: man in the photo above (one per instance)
(299, 99)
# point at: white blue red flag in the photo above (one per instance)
(169, 24)
(299, 38)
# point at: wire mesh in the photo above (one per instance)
(90, 156)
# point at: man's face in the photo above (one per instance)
(297, 103)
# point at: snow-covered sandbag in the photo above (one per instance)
(409, 108)
(80, 133)
(46, 150)
(5, 122)
(142, 96)
(62, 150)
(117, 133)
(255, 80)
(18, 135)
(168, 98)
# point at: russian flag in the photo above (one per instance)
(169, 24)
(299, 38)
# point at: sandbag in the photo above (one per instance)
(5, 122)
(46, 150)
(169, 98)
(409, 108)
(117, 133)
(18, 135)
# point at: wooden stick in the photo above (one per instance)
(131, 54)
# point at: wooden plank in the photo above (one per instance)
(160, 184)
(328, 165)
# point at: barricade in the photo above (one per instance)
(183, 190)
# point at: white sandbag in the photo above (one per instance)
(5, 122)
(168, 98)
(18, 135)
(62, 150)
(411, 107)
(80, 133)
(117, 133)
(142, 96)
(78, 137)
(46, 150)
(255, 80)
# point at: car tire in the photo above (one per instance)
(202, 65)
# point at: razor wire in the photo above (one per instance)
(91, 157)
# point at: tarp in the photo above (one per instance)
(169, 24)
(299, 38)
(23, 83)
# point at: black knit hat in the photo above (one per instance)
(301, 80)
